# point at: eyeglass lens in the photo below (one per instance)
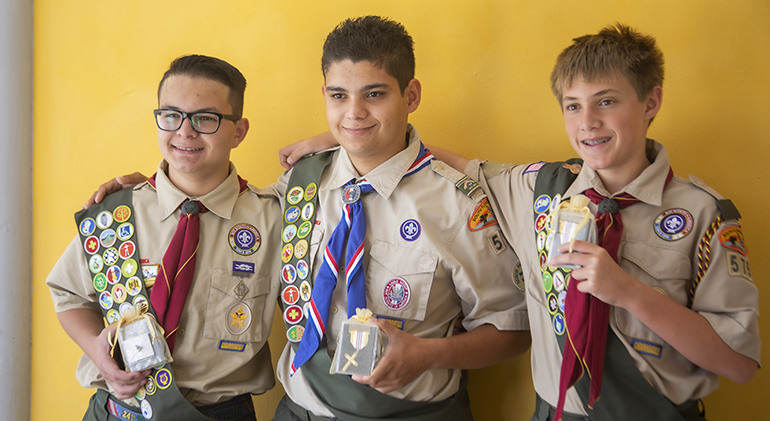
(202, 122)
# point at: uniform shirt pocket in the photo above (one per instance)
(399, 280)
(230, 317)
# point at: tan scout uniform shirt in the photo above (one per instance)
(728, 300)
(204, 373)
(451, 270)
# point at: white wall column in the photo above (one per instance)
(15, 207)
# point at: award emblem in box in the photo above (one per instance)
(141, 340)
(359, 345)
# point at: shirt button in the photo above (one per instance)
(180, 332)
(334, 310)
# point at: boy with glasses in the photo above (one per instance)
(202, 242)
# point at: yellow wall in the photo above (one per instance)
(484, 70)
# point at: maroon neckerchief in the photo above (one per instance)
(586, 342)
(175, 276)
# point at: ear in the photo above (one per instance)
(241, 128)
(413, 93)
(653, 103)
(323, 90)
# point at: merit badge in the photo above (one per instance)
(558, 324)
(125, 306)
(292, 315)
(121, 213)
(294, 334)
(304, 229)
(558, 281)
(87, 227)
(555, 202)
(133, 286)
(105, 300)
(241, 290)
(310, 191)
(553, 303)
(543, 259)
(91, 244)
(100, 282)
(243, 268)
(482, 217)
(541, 240)
(673, 224)
(304, 291)
(113, 275)
(300, 249)
(307, 211)
(289, 274)
(290, 295)
(396, 294)
(129, 268)
(127, 250)
(95, 263)
(540, 222)
(542, 203)
(140, 394)
(732, 238)
(244, 239)
(163, 378)
(146, 409)
(292, 214)
(125, 231)
(302, 269)
(410, 230)
(287, 252)
(104, 219)
(107, 237)
(549, 241)
(518, 277)
(294, 195)
(119, 293)
(240, 318)
(140, 301)
(351, 193)
(289, 232)
(562, 299)
(113, 316)
(150, 386)
(306, 310)
(547, 281)
(110, 256)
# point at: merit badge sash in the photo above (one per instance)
(111, 248)
(626, 394)
(298, 221)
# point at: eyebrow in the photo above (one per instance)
(202, 110)
(364, 89)
(600, 93)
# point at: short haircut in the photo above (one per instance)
(614, 51)
(214, 69)
(381, 41)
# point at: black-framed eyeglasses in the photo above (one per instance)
(201, 122)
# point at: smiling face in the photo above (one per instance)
(367, 112)
(198, 163)
(607, 126)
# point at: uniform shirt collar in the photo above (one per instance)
(385, 177)
(219, 201)
(647, 187)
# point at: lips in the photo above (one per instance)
(180, 148)
(358, 130)
(596, 141)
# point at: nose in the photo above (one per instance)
(590, 119)
(187, 129)
(356, 109)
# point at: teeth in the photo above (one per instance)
(188, 149)
(596, 142)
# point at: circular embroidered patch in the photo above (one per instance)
(100, 282)
(292, 214)
(146, 409)
(149, 387)
(289, 274)
(300, 249)
(125, 231)
(294, 195)
(95, 263)
(140, 301)
(112, 316)
(163, 378)
(558, 281)
(540, 222)
(396, 294)
(287, 252)
(547, 281)
(518, 277)
(543, 258)
(91, 245)
(673, 224)
(113, 275)
(410, 230)
(105, 300)
(129, 268)
(307, 211)
(555, 202)
(238, 318)
(290, 295)
(133, 286)
(140, 394)
(289, 232)
(553, 303)
(294, 333)
(127, 250)
(310, 191)
(305, 290)
(119, 294)
(541, 236)
(121, 213)
(292, 315)
(110, 256)
(104, 219)
(302, 269)
(304, 229)
(244, 239)
(558, 324)
(125, 306)
(562, 299)
(87, 227)
(108, 237)
(542, 203)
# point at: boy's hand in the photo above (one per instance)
(116, 184)
(125, 384)
(288, 155)
(599, 275)
(404, 360)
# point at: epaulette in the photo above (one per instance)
(726, 206)
(493, 169)
(467, 185)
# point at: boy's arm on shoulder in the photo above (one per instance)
(118, 183)
(289, 155)
(452, 159)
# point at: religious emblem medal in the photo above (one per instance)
(572, 221)
(359, 345)
(141, 340)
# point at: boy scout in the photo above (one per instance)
(428, 258)
(215, 297)
(671, 249)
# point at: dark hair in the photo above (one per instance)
(214, 69)
(615, 50)
(381, 41)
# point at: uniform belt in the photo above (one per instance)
(239, 408)
(303, 413)
(693, 410)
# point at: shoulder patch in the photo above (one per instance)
(726, 206)
(534, 167)
(465, 184)
(482, 217)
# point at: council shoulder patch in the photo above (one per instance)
(482, 217)
(732, 238)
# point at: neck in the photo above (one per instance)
(616, 180)
(197, 185)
